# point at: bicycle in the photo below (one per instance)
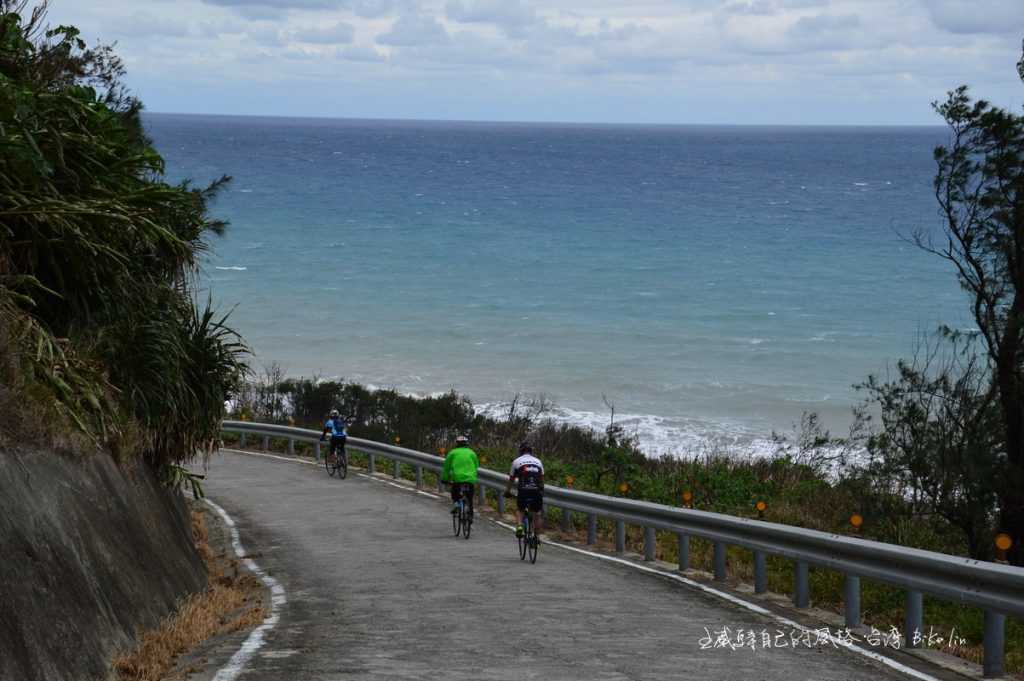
(337, 462)
(529, 542)
(462, 519)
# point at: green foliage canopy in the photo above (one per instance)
(97, 253)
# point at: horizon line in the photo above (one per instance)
(482, 121)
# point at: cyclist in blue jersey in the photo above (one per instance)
(336, 426)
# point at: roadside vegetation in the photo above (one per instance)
(100, 329)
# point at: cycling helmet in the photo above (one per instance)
(334, 413)
(461, 440)
(525, 448)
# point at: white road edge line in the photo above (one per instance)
(255, 640)
(882, 659)
(742, 603)
(293, 459)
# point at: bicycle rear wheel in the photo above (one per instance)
(467, 521)
(342, 465)
(457, 521)
(524, 540)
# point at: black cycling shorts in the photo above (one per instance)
(467, 489)
(460, 488)
(530, 500)
(337, 443)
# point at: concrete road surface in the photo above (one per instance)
(378, 588)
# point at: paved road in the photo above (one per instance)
(379, 589)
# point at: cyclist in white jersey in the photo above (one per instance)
(528, 474)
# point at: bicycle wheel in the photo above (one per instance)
(467, 521)
(457, 520)
(534, 542)
(342, 465)
(524, 540)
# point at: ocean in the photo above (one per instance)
(711, 283)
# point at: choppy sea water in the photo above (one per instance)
(712, 283)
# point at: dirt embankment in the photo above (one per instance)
(90, 552)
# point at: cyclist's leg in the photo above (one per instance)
(538, 513)
(470, 493)
(521, 511)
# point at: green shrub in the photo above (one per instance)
(96, 252)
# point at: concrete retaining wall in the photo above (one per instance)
(89, 553)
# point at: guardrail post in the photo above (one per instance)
(398, 469)
(719, 561)
(684, 552)
(802, 588)
(995, 634)
(440, 485)
(650, 543)
(913, 617)
(241, 441)
(266, 442)
(566, 520)
(620, 536)
(419, 477)
(481, 495)
(591, 529)
(501, 502)
(372, 463)
(760, 573)
(851, 601)
(291, 447)
(316, 449)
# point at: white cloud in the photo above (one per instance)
(989, 16)
(602, 50)
(340, 33)
(279, 4)
(359, 53)
(511, 16)
(149, 25)
(414, 29)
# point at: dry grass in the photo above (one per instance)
(230, 603)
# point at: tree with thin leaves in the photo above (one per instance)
(98, 320)
(980, 190)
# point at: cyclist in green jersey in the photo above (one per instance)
(460, 471)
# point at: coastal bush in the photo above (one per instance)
(979, 185)
(799, 485)
(99, 327)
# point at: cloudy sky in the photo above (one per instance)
(657, 61)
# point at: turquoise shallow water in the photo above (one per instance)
(710, 282)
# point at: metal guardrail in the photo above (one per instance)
(997, 589)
